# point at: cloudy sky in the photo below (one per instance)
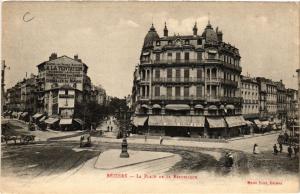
(108, 36)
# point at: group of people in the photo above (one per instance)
(290, 150)
(109, 124)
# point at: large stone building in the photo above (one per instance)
(62, 84)
(98, 95)
(267, 98)
(188, 85)
(250, 95)
(281, 100)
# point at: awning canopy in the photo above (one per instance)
(257, 122)
(37, 115)
(216, 122)
(24, 114)
(197, 121)
(176, 121)
(242, 119)
(222, 107)
(212, 107)
(51, 120)
(65, 121)
(229, 106)
(81, 122)
(265, 123)
(42, 119)
(234, 121)
(177, 107)
(145, 53)
(212, 51)
(156, 106)
(145, 106)
(249, 122)
(139, 120)
(199, 106)
(155, 120)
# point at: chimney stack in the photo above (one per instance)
(53, 56)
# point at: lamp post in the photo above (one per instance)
(124, 146)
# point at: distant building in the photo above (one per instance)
(298, 71)
(250, 95)
(28, 98)
(268, 98)
(292, 105)
(188, 85)
(281, 100)
(98, 95)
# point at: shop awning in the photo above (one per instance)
(145, 53)
(222, 107)
(212, 107)
(242, 119)
(216, 122)
(37, 115)
(51, 120)
(139, 120)
(229, 106)
(184, 121)
(199, 106)
(14, 114)
(24, 114)
(19, 113)
(145, 106)
(168, 120)
(265, 123)
(81, 122)
(65, 121)
(42, 119)
(234, 121)
(178, 107)
(156, 106)
(249, 122)
(257, 122)
(212, 51)
(197, 121)
(155, 120)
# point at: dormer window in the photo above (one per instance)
(169, 42)
(186, 42)
(157, 43)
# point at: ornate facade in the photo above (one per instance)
(187, 81)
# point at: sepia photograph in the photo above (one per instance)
(150, 97)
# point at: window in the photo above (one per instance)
(186, 73)
(169, 91)
(177, 73)
(177, 56)
(186, 42)
(211, 56)
(169, 56)
(157, 43)
(199, 73)
(199, 56)
(177, 91)
(186, 56)
(157, 73)
(199, 41)
(186, 91)
(157, 91)
(199, 91)
(66, 92)
(157, 57)
(169, 73)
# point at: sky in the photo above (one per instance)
(108, 36)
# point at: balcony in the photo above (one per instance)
(213, 80)
(173, 61)
(230, 82)
(66, 96)
(232, 99)
(178, 80)
(177, 98)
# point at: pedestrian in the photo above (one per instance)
(296, 150)
(254, 149)
(161, 140)
(275, 149)
(145, 137)
(111, 128)
(280, 147)
(107, 127)
(290, 151)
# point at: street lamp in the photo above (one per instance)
(124, 146)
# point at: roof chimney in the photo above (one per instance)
(165, 30)
(76, 57)
(53, 56)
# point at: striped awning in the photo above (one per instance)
(212, 107)
(139, 120)
(216, 122)
(234, 121)
(199, 106)
(197, 121)
(157, 106)
(229, 106)
(155, 120)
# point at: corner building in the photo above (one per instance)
(188, 85)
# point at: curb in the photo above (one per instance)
(252, 136)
